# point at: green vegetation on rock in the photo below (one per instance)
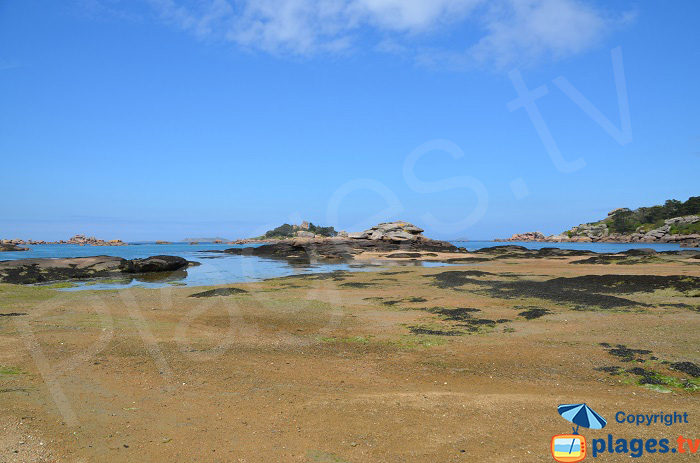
(626, 221)
(287, 231)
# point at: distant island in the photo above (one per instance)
(673, 222)
(205, 240)
(80, 240)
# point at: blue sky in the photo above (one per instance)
(164, 119)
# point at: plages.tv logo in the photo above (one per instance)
(570, 448)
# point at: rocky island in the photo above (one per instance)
(385, 237)
(674, 222)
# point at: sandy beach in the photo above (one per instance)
(399, 364)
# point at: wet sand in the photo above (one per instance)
(402, 364)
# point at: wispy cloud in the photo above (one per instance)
(520, 30)
(504, 32)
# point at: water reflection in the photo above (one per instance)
(221, 268)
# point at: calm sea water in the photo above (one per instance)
(218, 268)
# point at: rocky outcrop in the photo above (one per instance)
(391, 231)
(527, 236)
(599, 232)
(11, 248)
(664, 233)
(343, 248)
(385, 237)
(595, 231)
(28, 271)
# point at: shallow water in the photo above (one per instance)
(215, 269)
(219, 268)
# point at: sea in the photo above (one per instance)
(219, 268)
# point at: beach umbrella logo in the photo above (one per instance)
(571, 448)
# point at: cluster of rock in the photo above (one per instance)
(29, 271)
(599, 232)
(81, 240)
(385, 237)
(391, 231)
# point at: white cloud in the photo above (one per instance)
(296, 26)
(507, 31)
(530, 29)
(411, 15)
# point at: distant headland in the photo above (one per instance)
(674, 222)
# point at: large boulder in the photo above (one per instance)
(155, 264)
(390, 231)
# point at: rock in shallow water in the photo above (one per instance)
(28, 271)
(340, 248)
(155, 264)
(4, 247)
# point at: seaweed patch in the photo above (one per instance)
(534, 312)
(219, 292)
(421, 330)
(688, 368)
(578, 290)
(625, 354)
(356, 284)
